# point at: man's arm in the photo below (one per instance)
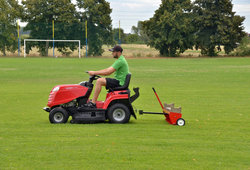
(104, 72)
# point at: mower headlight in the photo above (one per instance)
(56, 89)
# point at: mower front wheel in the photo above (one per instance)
(58, 115)
(180, 122)
(118, 113)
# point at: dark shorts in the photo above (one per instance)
(112, 83)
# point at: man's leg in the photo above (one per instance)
(98, 87)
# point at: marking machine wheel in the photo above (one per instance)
(180, 122)
(118, 113)
(58, 115)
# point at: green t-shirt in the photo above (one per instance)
(121, 67)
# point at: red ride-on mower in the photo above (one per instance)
(69, 100)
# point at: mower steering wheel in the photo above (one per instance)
(94, 77)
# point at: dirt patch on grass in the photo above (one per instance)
(8, 69)
(231, 66)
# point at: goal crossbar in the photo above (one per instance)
(79, 43)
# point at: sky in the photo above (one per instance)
(129, 12)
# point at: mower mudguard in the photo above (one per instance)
(121, 97)
(115, 95)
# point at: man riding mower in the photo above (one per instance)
(73, 100)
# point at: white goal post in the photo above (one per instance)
(79, 42)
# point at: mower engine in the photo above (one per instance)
(73, 103)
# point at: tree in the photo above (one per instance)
(132, 38)
(135, 30)
(170, 30)
(217, 25)
(10, 11)
(244, 47)
(97, 13)
(139, 30)
(39, 15)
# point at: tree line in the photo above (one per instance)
(175, 27)
(207, 25)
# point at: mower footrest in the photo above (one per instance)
(87, 109)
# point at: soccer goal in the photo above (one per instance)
(79, 43)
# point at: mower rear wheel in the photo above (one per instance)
(180, 122)
(118, 113)
(58, 115)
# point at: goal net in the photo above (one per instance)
(79, 43)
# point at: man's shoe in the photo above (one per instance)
(90, 105)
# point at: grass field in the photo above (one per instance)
(214, 94)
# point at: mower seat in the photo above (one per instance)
(126, 84)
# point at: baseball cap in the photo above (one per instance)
(116, 48)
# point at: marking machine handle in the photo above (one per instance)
(154, 89)
(158, 98)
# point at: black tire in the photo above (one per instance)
(118, 113)
(58, 115)
(180, 122)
